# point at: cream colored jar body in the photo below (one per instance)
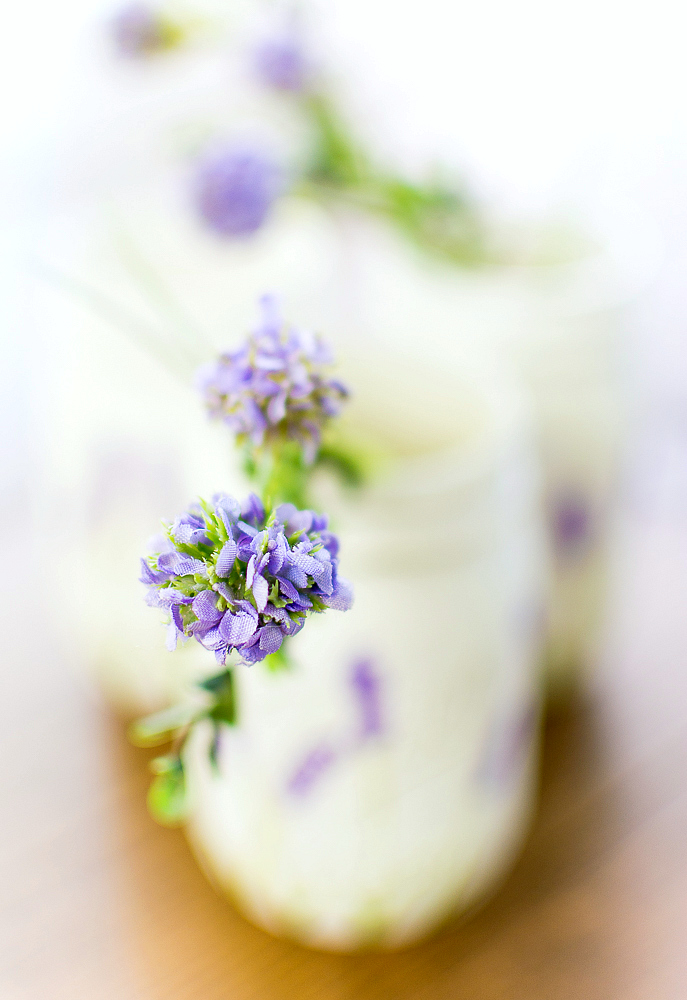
(386, 779)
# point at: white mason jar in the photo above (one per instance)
(563, 327)
(386, 779)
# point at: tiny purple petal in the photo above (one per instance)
(172, 636)
(227, 508)
(271, 638)
(292, 626)
(225, 560)
(151, 576)
(205, 607)
(167, 596)
(250, 571)
(279, 614)
(176, 617)
(178, 564)
(261, 590)
(237, 628)
(252, 509)
(276, 408)
(341, 598)
(287, 589)
(212, 639)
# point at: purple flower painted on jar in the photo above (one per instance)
(236, 579)
(235, 189)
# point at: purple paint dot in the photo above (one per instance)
(571, 523)
(366, 686)
(311, 769)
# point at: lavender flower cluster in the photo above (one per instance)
(280, 63)
(273, 389)
(236, 188)
(234, 578)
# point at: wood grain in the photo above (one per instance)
(98, 902)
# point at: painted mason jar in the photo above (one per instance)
(562, 325)
(385, 779)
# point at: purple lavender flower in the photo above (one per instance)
(272, 389)
(235, 579)
(139, 30)
(280, 63)
(235, 189)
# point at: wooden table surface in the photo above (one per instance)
(98, 902)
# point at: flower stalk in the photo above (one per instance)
(240, 581)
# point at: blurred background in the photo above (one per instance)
(545, 112)
(542, 110)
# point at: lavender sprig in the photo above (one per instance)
(276, 395)
(236, 580)
(439, 217)
(237, 187)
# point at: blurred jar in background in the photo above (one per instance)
(560, 319)
(386, 779)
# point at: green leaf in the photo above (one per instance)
(156, 729)
(347, 466)
(337, 160)
(250, 466)
(279, 660)
(214, 749)
(167, 798)
(213, 684)
(224, 709)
